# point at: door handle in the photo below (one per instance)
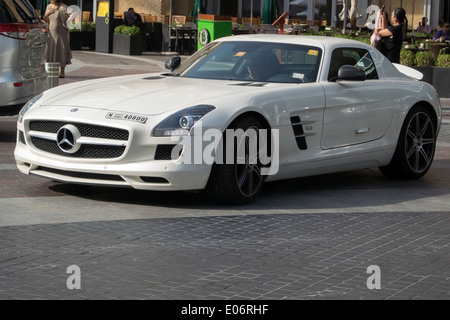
(361, 130)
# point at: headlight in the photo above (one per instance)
(180, 123)
(27, 106)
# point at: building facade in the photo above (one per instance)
(311, 11)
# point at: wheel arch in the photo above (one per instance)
(253, 114)
(430, 107)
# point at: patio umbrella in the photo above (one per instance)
(269, 14)
(198, 8)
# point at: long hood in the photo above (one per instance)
(145, 94)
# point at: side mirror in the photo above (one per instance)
(173, 63)
(350, 73)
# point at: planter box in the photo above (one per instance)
(438, 77)
(427, 73)
(441, 81)
(75, 40)
(127, 45)
(88, 39)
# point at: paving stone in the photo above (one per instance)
(191, 268)
(292, 254)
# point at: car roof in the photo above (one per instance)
(328, 44)
(321, 41)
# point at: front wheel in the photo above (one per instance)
(415, 148)
(238, 179)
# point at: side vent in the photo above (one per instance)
(299, 133)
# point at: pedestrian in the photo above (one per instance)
(375, 39)
(423, 26)
(392, 36)
(440, 25)
(131, 17)
(58, 45)
(444, 34)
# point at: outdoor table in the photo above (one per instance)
(436, 47)
(415, 49)
(239, 31)
(185, 38)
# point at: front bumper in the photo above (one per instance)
(149, 175)
(137, 165)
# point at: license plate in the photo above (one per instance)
(124, 116)
(35, 53)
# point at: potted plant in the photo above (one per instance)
(75, 39)
(407, 57)
(424, 59)
(441, 75)
(74, 36)
(127, 40)
(88, 35)
(424, 63)
(443, 61)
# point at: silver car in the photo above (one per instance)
(23, 43)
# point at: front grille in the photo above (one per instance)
(82, 175)
(86, 130)
(86, 150)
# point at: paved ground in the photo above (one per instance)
(310, 238)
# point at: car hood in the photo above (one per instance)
(145, 94)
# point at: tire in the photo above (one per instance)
(241, 181)
(415, 147)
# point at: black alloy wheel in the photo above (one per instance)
(240, 180)
(416, 146)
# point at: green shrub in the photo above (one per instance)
(407, 57)
(417, 34)
(443, 60)
(88, 26)
(128, 30)
(424, 59)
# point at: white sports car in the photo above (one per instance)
(241, 111)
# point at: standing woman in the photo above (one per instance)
(58, 47)
(392, 36)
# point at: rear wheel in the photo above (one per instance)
(239, 181)
(415, 148)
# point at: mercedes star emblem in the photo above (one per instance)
(67, 137)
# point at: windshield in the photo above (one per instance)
(253, 61)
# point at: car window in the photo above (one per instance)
(254, 61)
(17, 11)
(355, 57)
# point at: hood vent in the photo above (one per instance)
(154, 78)
(250, 84)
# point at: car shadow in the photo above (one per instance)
(352, 189)
(8, 128)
